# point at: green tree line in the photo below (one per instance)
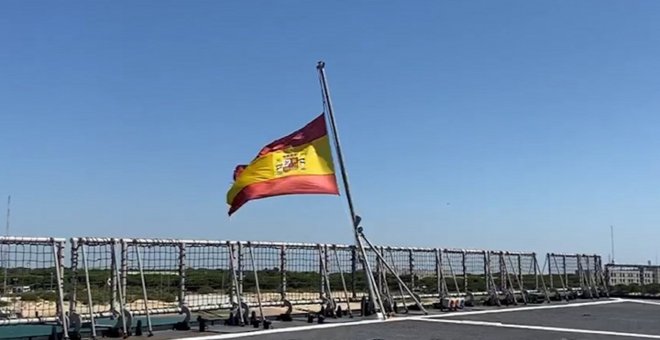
(165, 285)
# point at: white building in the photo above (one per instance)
(618, 274)
(20, 289)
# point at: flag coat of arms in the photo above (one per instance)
(300, 163)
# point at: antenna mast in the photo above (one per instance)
(5, 257)
(612, 238)
(8, 215)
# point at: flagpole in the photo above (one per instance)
(373, 294)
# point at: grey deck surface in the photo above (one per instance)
(621, 317)
(423, 330)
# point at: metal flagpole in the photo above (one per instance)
(373, 294)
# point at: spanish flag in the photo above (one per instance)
(300, 163)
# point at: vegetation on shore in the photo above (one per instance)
(164, 286)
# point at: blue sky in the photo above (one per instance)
(517, 125)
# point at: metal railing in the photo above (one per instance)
(109, 277)
(576, 272)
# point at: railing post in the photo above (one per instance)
(438, 273)
(383, 271)
(239, 267)
(283, 271)
(182, 273)
(465, 273)
(232, 271)
(411, 265)
(326, 261)
(353, 271)
(552, 280)
(503, 271)
(486, 270)
(58, 253)
(536, 273)
(379, 271)
(321, 271)
(236, 288)
(520, 270)
(580, 271)
(565, 271)
(124, 269)
(587, 264)
(73, 277)
(113, 278)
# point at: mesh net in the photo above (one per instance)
(463, 271)
(208, 277)
(303, 278)
(339, 263)
(527, 271)
(575, 271)
(498, 270)
(29, 278)
(267, 263)
(424, 269)
(399, 260)
(344, 259)
(97, 256)
(160, 269)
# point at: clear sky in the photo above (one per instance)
(516, 125)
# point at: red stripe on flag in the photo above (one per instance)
(300, 184)
(310, 132)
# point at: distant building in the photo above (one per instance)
(624, 274)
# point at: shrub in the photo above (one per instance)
(653, 288)
(205, 290)
(163, 295)
(47, 295)
(30, 296)
(634, 288)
